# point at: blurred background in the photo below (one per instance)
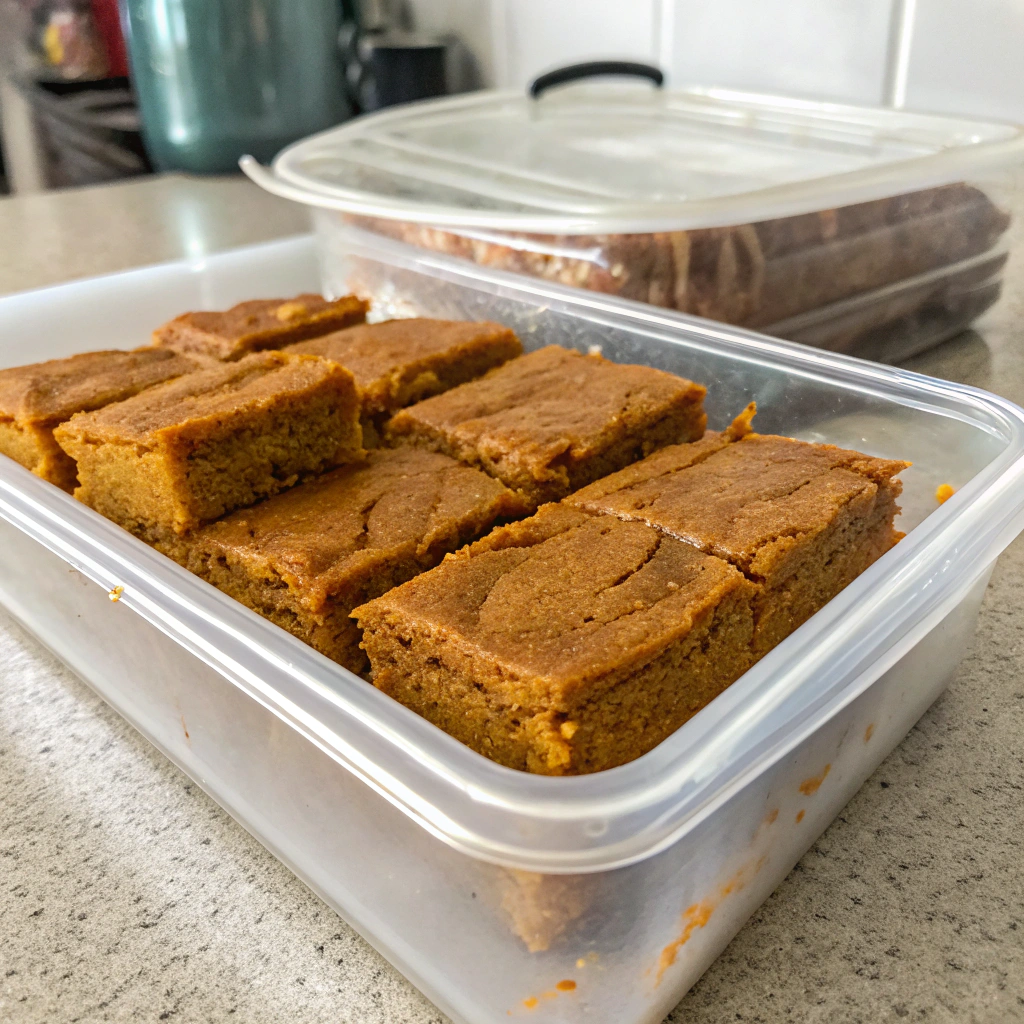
(73, 73)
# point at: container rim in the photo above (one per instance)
(960, 148)
(627, 814)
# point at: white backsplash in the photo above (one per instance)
(967, 57)
(964, 55)
(836, 49)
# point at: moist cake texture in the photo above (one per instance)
(259, 324)
(799, 520)
(187, 451)
(305, 558)
(398, 362)
(554, 420)
(35, 399)
(564, 643)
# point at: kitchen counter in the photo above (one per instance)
(127, 894)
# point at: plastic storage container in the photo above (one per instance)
(500, 894)
(748, 209)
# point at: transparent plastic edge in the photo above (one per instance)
(948, 165)
(449, 789)
(866, 300)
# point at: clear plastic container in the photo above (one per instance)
(747, 209)
(498, 893)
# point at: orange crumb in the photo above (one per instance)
(115, 594)
(568, 985)
(568, 729)
(581, 963)
(290, 311)
(800, 817)
(943, 493)
(531, 1002)
(771, 816)
(740, 426)
(868, 732)
(811, 786)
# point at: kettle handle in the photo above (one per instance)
(591, 69)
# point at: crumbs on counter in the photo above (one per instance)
(943, 493)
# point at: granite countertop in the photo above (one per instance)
(127, 894)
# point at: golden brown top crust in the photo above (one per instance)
(259, 324)
(748, 501)
(48, 393)
(198, 403)
(565, 597)
(398, 503)
(549, 403)
(387, 358)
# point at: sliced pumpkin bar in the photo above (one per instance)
(399, 362)
(188, 451)
(35, 399)
(799, 520)
(259, 324)
(565, 643)
(554, 420)
(305, 558)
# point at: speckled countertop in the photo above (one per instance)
(127, 894)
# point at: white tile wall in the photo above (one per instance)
(967, 56)
(820, 48)
(544, 34)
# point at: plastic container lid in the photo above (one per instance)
(625, 157)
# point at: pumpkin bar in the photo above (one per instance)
(259, 324)
(398, 362)
(35, 399)
(799, 520)
(187, 451)
(304, 559)
(554, 420)
(564, 643)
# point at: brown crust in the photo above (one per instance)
(259, 324)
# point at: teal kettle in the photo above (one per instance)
(219, 78)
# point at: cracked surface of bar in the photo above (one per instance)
(554, 420)
(565, 643)
(306, 558)
(399, 362)
(799, 520)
